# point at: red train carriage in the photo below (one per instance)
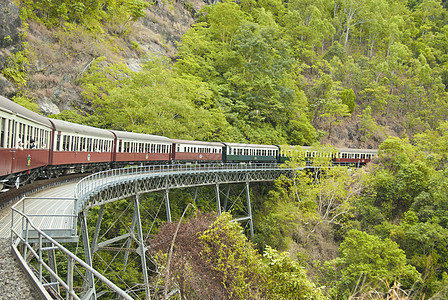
(355, 156)
(25, 140)
(185, 150)
(79, 147)
(142, 148)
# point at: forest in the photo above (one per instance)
(346, 73)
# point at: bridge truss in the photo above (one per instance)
(95, 192)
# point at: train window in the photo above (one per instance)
(2, 132)
(89, 144)
(8, 133)
(11, 134)
(73, 144)
(64, 143)
(38, 137)
(58, 141)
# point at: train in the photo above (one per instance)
(33, 146)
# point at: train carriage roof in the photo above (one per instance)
(256, 146)
(197, 143)
(365, 151)
(344, 150)
(141, 137)
(11, 107)
(69, 127)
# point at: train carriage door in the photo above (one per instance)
(174, 148)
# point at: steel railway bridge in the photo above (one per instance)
(39, 225)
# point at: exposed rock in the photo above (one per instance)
(10, 42)
(7, 89)
(10, 24)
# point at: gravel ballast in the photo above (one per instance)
(14, 282)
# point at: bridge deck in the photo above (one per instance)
(56, 201)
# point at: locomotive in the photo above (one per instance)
(33, 146)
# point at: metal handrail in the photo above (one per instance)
(17, 238)
(90, 183)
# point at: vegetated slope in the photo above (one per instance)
(347, 73)
(55, 57)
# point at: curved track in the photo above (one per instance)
(12, 195)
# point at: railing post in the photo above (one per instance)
(70, 267)
(40, 257)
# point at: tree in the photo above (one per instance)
(348, 98)
(153, 101)
(367, 262)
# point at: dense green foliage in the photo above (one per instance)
(212, 259)
(282, 72)
(268, 71)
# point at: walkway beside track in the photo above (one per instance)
(44, 203)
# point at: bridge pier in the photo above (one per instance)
(218, 200)
(249, 208)
(89, 283)
(141, 250)
(167, 205)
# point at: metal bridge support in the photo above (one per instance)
(218, 200)
(167, 205)
(52, 264)
(97, 231)
(226, 200)
(129, 241)
(141, 244)
(90, 282)
(249, 209)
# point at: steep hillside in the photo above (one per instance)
(349, 73)
(58, 56)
